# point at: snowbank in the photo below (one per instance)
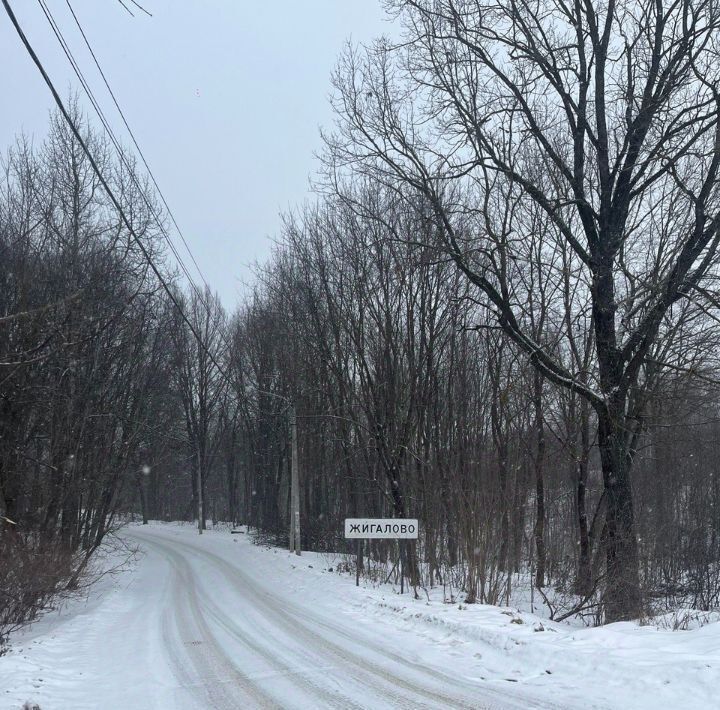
(59, 662)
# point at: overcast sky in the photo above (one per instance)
(224, 97)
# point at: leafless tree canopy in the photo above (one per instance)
(577, 141)
(499, 315)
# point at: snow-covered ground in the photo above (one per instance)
(215, 621)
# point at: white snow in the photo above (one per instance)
(215, 621)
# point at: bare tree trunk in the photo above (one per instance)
(539, 531)
(584, 581)
(622, 594)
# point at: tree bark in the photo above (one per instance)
(539, 483)
(622, 599)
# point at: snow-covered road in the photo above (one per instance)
(215, 621)
(233, 642)
(203, 623)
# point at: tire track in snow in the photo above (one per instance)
(369, 673)
(216, 679)
(205, 603)
(480, 698)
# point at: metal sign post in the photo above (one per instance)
(358, 548)
(379, 529)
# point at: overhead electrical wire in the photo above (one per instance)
(140, 7)
(76, 132)
(134, 140)
(101, 115)
(137, 5)
(129, 11)
(113, 138)
(91, 96)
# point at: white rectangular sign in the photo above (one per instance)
(360, 528)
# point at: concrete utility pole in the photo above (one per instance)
(294, 486)
(201, 508)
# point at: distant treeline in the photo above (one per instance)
(499, 316)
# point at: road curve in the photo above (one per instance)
(232, 643)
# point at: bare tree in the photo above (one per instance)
(605, 117)
(79, 359)
(201, 387)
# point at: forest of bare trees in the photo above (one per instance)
(499, 316)
(84, 336)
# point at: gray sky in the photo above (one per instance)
(224, 97)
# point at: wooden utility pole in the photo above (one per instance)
(294, 486)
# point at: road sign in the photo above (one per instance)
(394, 528)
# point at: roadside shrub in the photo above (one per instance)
(33, 577)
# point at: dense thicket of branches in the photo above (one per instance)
(499, 316)
(559, 147)
(84, 334)
(411, 402)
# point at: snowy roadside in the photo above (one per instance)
(77, 653)
(73, 652)
(622, 665)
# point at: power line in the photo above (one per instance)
(101, 115)
(104, 183)
(132, 136)
(130, 12)
(111, 134)
(113, 138)
(140, 7)
(137, 5)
